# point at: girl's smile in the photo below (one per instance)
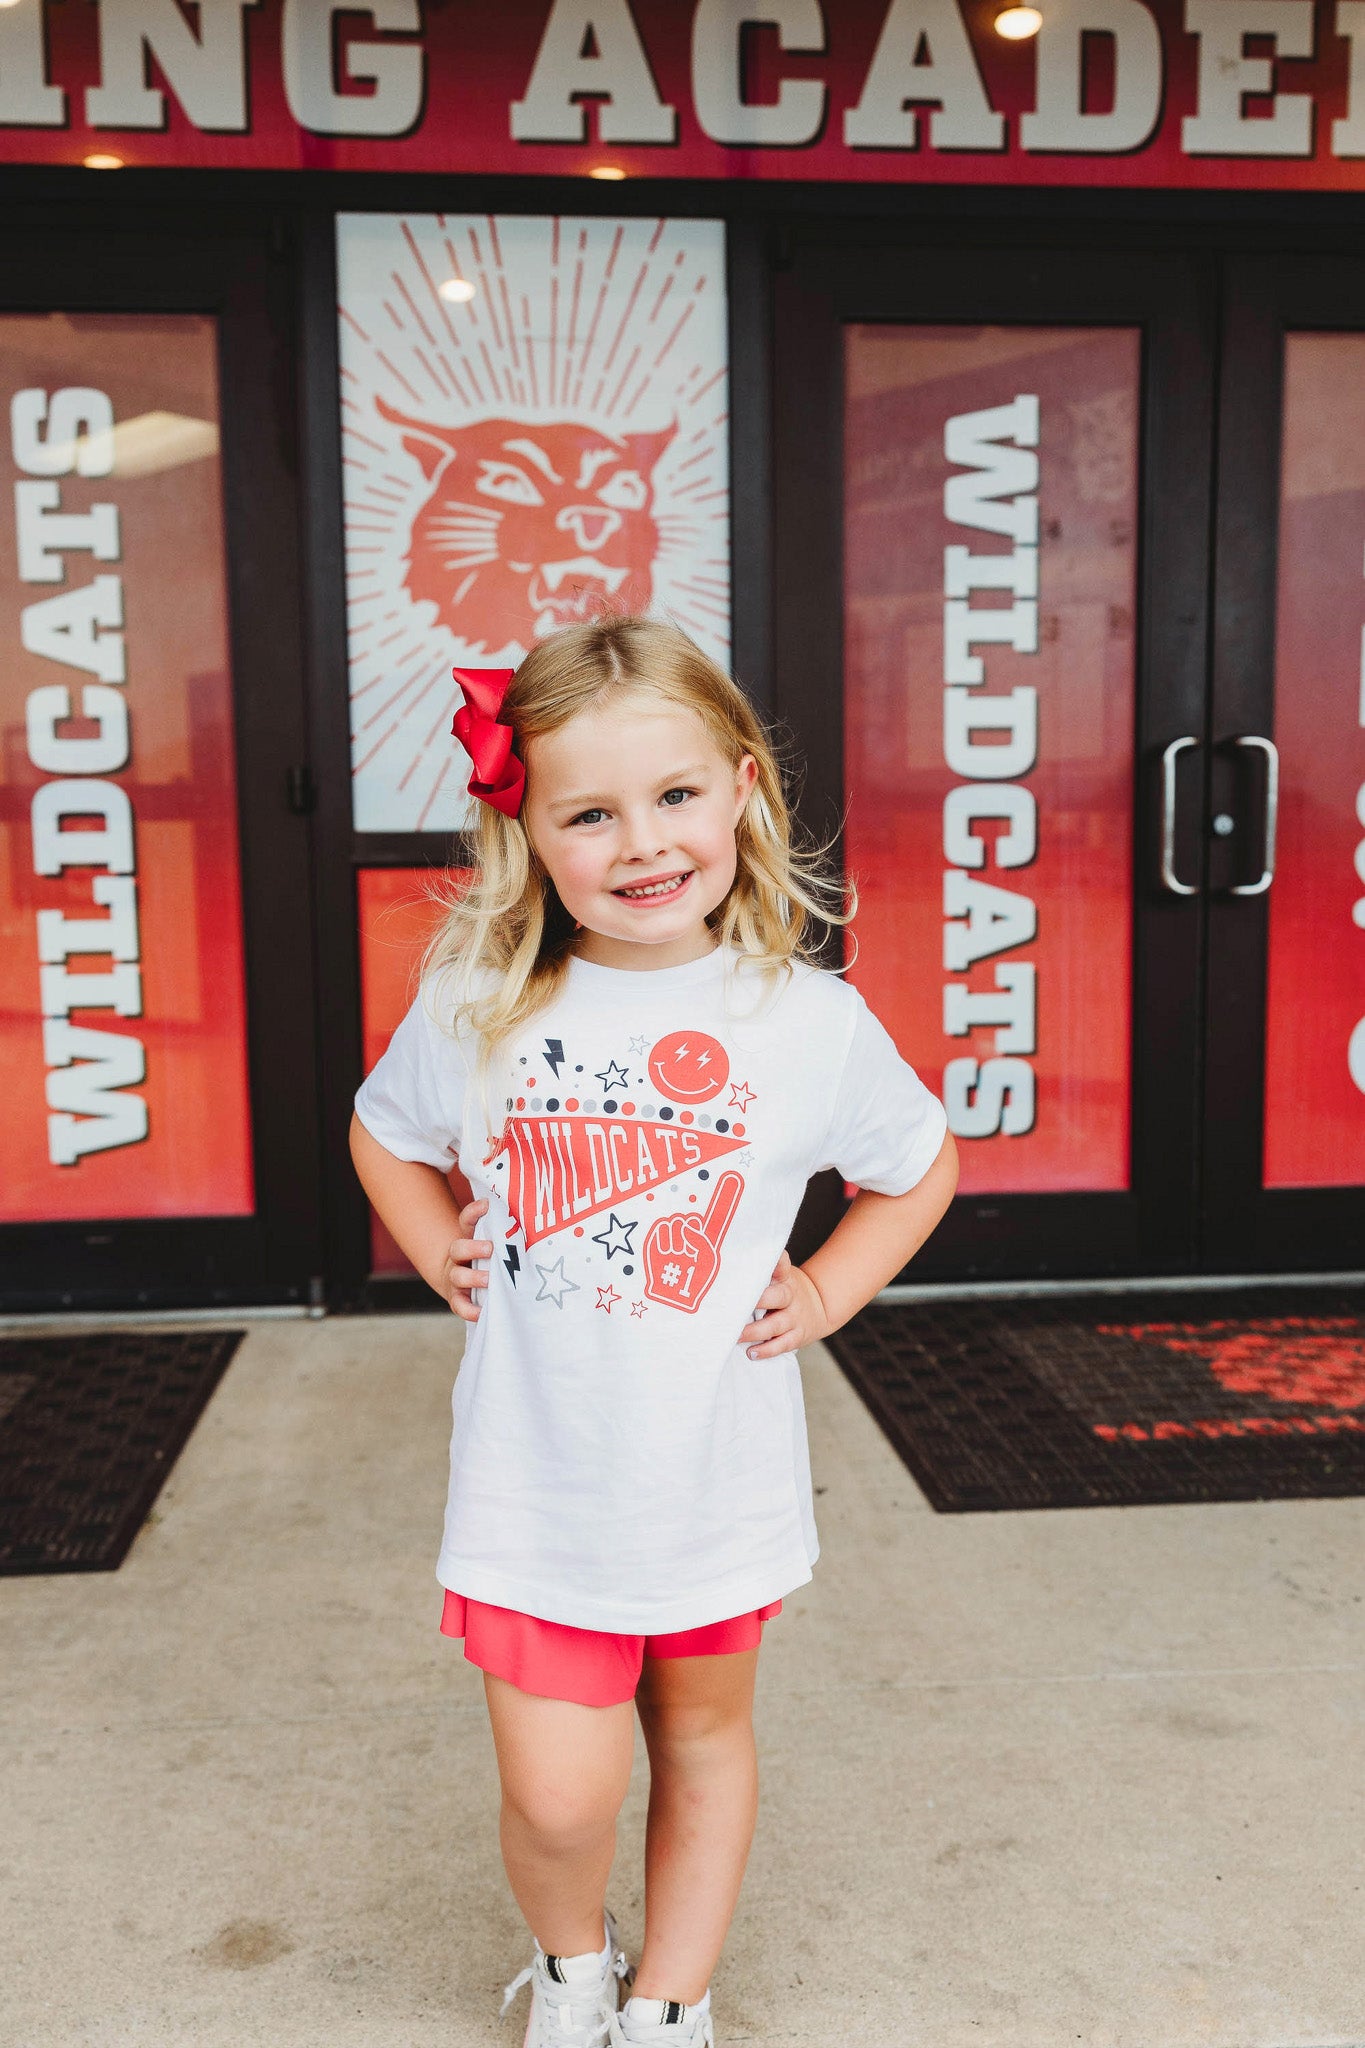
(632, 809)
(661, 890)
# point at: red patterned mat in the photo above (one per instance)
(1115, 1400)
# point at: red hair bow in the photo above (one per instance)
(498, 777)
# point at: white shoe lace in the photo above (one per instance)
(572, 2016)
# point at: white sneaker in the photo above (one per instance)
(662, 2023)
(573, 1998)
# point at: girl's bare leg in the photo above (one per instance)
(564, 1771)
(697, 1714)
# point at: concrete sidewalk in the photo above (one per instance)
(1030, 1780)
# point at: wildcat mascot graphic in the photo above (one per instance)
(529, 526)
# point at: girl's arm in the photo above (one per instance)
(876, 1237)
(418, 1208)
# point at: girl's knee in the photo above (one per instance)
(564, 1817)
(564, 1768)
(695, 1729)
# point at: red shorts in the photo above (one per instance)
(585, 1665)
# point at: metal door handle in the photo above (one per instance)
(1272, 810)
(1170, 756)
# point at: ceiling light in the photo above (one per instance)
(100, 161)
(1017, 24)
(612, 172)
(458, 289)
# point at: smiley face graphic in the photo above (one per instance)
(687, 1066)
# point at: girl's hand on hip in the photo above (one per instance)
(790, 1313)
(459, 1275)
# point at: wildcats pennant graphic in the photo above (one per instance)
(564, 1168)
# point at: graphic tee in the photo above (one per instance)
(618, 1460)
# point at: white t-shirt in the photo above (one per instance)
(618, 1460)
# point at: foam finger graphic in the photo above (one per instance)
(682, 1252)
(720, 1210)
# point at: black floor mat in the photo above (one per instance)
(1118, 1400)
(90, 1426)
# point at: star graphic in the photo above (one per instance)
(606, 1296)
(744, 1158)
(637, 1308)
(555, 1283)
(741, 1095)
(616, 1237)
(615, 1077)
(639, 1046)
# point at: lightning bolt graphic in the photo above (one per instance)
(512, 1262)
(554, 1053)
(704, 1059)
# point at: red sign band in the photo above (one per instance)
(1119, 92)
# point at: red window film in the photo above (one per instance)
(1315, 1025)
(990, 583)
(399, 911)
(122, 1006)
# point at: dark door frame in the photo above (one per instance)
(775, 235)
(1247, 1227)
(830, 278)
(199, 239)
(343, 852)
(242, 275)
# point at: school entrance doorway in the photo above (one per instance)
(1083, 532)
(157, 1040)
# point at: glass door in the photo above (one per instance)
(122, 991)
(1021, 448)
(1109, 841)
(990, 635)
(1284, 1127)
(156, 1031)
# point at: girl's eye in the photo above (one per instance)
(676, 796)
(588, 818)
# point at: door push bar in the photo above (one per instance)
(1272, 811)
(1170, 755)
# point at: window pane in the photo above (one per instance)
(1315, 1046)
(990, 569)
(549, 441)
(399, 911)
(120, 904)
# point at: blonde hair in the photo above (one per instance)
(508, 939)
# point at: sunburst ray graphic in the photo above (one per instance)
(551, 446)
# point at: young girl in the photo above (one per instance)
(621, 1046)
